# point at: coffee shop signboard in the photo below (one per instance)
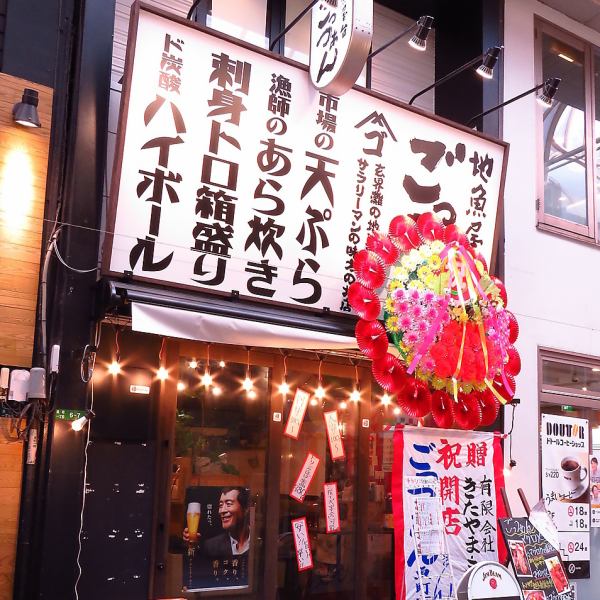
(565, 488)
(235, 175)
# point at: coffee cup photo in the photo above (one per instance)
(572, 473)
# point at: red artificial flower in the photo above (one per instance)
(513, 366)
(384, 247)
(513, 327)
(403, 232)
(388, 372)
(415, 398)
(467, 411)
(442, 409)
(364, 301)
(499, 386)
(430, 227)
(371, 338)
(369, 269)
(489, 408)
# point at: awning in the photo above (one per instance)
(174, 322)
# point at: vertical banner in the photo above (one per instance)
(307, 472)
(595, 488)
(336, 444)
(302, 544)
(467, 469)
(297, 412)
(566, 488)
(332, 509)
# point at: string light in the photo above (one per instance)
(320, 391)
(193, 364)
(313, 401)
(216, 390)
(222, 364)
(115, 368)
(162, 373)
(180, 386)
(284, 387)
(343, 405)
(206, 379)
(355, 395)
(248, 384)
(397, 410)
(385, 399)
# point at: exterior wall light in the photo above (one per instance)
(418, 41)
(25, 113)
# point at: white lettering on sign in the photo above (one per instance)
(334, 435)
(302, 544)
(332, 510)
(305, 477)
(297, 412)
(235, 176)
(340, 40)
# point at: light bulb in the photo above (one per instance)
(180, 386)
(247, 384)
(313, 401)
(320, 392)
(284, 388)
(216, 390)
(355, 395)
(206, 379)
(397, 410)
(222, 364)
(385, 399)
(193, 364)
(162, 373)
(79, 424)
(251, 394)
(343, 405)
(114, 368)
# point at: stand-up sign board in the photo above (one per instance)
(234, 175)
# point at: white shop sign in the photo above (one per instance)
(233, 174)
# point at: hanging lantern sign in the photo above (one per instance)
(340, 41)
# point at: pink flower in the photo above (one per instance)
(428, 364)
(400, 294)
(414, 295)
(431, 314)
(402, 307)
(417, 312)
(411, 338)
(422, 326)
(429, 296)
(405, 322)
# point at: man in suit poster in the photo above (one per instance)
(217, 536)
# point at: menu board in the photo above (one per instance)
(566, 488)
(537, 563)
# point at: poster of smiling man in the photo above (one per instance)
(217, 535)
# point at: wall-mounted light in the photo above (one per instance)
(418, 41)
(79, 424)
(486, 68)
(548, 87)
(25, 112)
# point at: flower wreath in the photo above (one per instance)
(446, 318)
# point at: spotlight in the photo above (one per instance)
(193, 364)
(486, 69)
(162, 373)
(549, 89)
(180, 386)
(419, 40)
(114, 368)
(25, 112)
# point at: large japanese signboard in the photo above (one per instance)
(565, 487)
(466, 467)
(234, 174)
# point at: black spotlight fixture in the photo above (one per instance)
(25, 112)
(485, 70)
(418, 41)
(548, 87)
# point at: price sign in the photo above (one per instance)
(334, 435)
(332, 510)
(297, 412)
(302, 544)
(305, 477)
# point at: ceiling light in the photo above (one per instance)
(565, 57)
(596, 370)
(25, 112)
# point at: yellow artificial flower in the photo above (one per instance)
(399, 273)
(395, 284)
(423, 272)
(434, 262)
(415, 284)
(390, 305)
(392, 324)
(437, 246)
(425, 251)
(467, 388)
(438, 383)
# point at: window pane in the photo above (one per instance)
(333, 574)
(242, 19)
(219, 474)
(565, 193)
(575, 378)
